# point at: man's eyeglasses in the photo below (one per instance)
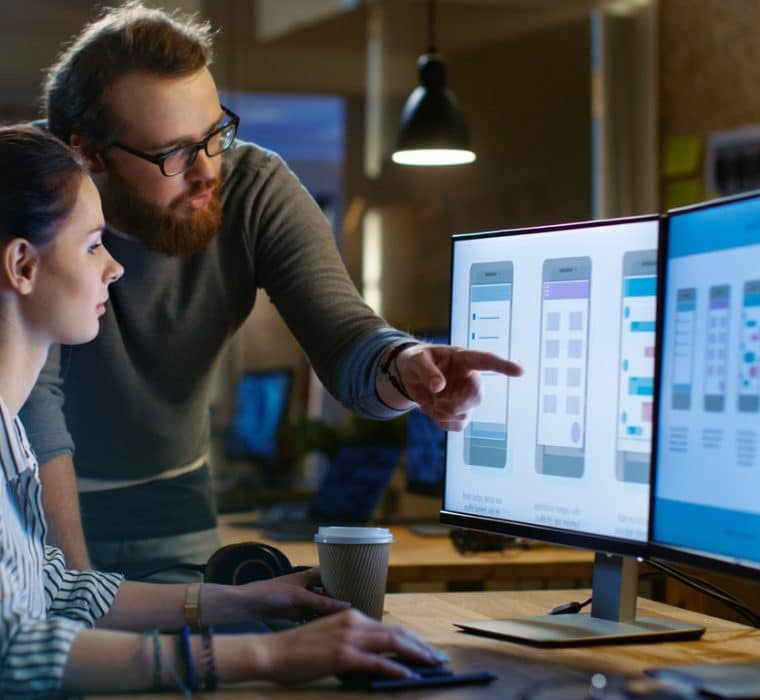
(179, 159)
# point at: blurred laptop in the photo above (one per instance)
(348, 495)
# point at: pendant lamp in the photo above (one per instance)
(432, 129)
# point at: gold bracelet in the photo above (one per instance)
(192, 607)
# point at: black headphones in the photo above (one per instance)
(246, 561)
(235, 564)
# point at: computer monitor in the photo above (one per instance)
(706, 466)
(705, 507)
(560, 453)
(261, 407)
(425, 442)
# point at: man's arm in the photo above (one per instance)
(60, 501)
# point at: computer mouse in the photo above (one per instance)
(367, 680)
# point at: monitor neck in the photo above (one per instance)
(615, 587)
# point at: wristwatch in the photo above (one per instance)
(192, 607)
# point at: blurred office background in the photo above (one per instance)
(577, 109)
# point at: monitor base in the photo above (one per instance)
(431, 529)
(581, 629)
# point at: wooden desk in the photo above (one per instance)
(414, 558)
(431, 615)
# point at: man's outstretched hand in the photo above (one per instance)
(445, 380)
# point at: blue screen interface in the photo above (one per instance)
(261, 405)
(708, 447)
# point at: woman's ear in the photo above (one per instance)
(20, 262)
(85, 148)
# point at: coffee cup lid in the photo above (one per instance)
(353, 535)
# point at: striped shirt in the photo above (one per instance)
(43, 605)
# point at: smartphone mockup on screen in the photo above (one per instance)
(638, 314)
(563, 366)
(489, 329)
(716, 347)
(749, 349)
(683, 348)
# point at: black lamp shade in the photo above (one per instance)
(432, 120)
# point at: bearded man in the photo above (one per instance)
(200, 221)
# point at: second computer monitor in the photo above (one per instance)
(707, 475)
(561, 453)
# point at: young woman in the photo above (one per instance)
(84, 631)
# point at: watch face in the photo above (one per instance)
(192, 607)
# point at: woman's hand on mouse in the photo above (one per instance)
(348, 641)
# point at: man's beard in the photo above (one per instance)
(164, 232)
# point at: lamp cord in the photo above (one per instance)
(431, 26)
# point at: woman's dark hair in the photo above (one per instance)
(39, 181)
(127, 38)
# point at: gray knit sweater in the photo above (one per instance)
(135, 400)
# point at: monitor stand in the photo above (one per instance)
(612, 620)
(430, 529)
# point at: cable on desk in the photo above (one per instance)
(568, 608)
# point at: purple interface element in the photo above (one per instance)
(573, 289)
(552, 321)
(576, 320)
(575, 349)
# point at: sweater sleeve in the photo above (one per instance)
(298, 264)
(84, 596)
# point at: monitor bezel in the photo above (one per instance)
(584, 540)
(658, 550)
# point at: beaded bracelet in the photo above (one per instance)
(211, 680)
(390, 361)
(155, 637)
(186, 654)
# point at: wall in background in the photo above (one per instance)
(527, 101)
(709, 67)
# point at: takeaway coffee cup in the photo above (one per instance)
(354, 565)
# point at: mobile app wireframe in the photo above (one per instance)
(749, 349)
(716, 347)
(489, 329)
(636, 363)
(683, 348)
(563, 366)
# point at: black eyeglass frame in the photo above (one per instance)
(192, 148)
